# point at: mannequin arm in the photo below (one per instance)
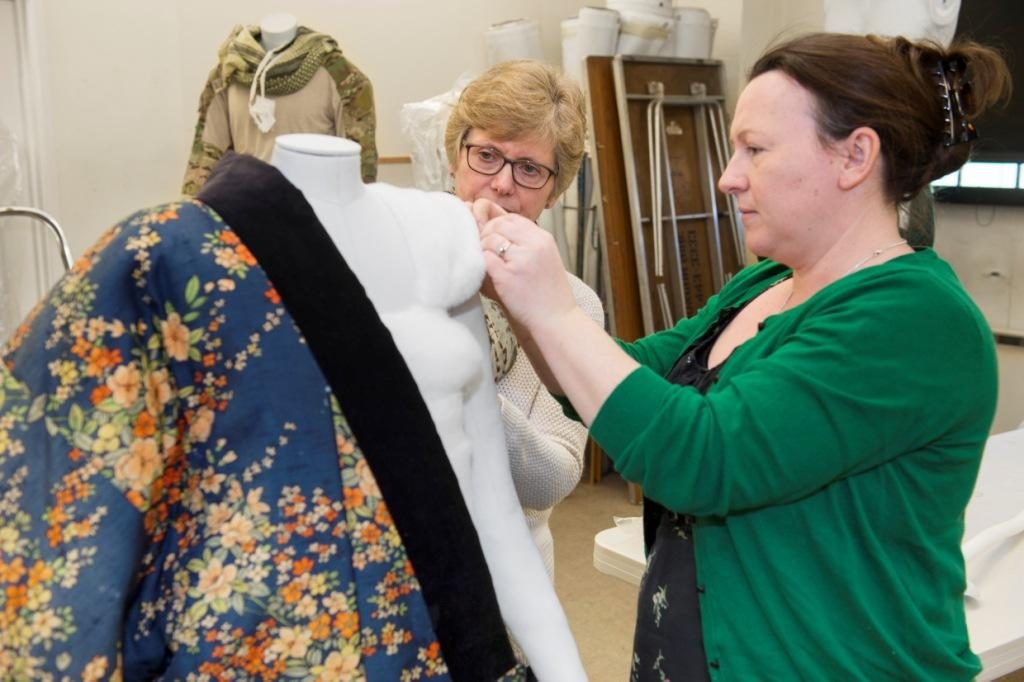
(212, 139)
(525, 594)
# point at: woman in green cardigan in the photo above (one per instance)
(811, 437)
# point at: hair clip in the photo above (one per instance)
(950, 75)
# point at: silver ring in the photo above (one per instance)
(503, 249)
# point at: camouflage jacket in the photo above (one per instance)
(294, 83)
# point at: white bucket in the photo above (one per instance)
(694, 33)
(594, 32)
(660, 7)
(643, 33)
(515, 39)
(599, 31)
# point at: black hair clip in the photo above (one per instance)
(954, 89)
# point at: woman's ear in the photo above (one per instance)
(859, 154)
(552, 200)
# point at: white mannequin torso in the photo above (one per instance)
(326, 170)
(419, 260)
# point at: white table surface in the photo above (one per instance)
(995, 622)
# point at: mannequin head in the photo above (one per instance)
(519, 110)
(913, 19)
(323, 167)
(277, 30)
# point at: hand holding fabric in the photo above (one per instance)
(524, 268)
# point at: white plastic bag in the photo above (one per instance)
(423, 124)
(11, 192)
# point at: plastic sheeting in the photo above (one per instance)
(513, 39)
(423, 124)
(12, 191)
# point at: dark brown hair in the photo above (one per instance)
(891, 86)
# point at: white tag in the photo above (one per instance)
(262, 111)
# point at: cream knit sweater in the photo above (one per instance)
(545, 447)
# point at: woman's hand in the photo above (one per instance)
(524, 267)
(484, 210)
(526, 276)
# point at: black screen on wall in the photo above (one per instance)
(999, 23)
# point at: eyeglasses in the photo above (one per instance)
(489, 161)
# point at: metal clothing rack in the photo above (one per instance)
(696, 262)
(659, 140)
(55, 229)
(669, 237)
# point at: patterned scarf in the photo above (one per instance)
(292, 69)
(503, 341)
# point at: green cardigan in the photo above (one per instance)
(828, 467)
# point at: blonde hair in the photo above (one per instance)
(523, 99)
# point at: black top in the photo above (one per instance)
(669, 643)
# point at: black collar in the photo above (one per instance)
(379, 399)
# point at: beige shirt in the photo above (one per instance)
(316, 108)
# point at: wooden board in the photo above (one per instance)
(622, 159)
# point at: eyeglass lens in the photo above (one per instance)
(525, 172)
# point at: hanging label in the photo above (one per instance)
(262, 112)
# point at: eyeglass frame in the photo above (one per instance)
(505, 162)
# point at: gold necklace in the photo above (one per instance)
(857, 266)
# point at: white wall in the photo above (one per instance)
(124, 80)
(985, 245)
(728, 39)
(765, 22)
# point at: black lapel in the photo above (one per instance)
(379, 398)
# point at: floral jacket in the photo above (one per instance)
(200, 474)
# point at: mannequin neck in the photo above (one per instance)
(277, 30)
(322, 167)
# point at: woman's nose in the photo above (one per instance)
(732, 179)
(502, 181)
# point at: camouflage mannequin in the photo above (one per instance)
(309, 85)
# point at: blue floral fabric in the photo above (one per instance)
(180, 494)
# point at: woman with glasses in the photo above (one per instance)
(808, 441)
(515, 137)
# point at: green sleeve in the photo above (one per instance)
(660, 350)
(359, 116)
(865, 377)
(652, 351)
(204, 155)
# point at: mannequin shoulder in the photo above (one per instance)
(442, 237)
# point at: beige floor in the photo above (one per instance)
(600, 608)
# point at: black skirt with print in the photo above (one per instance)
(668, 644)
